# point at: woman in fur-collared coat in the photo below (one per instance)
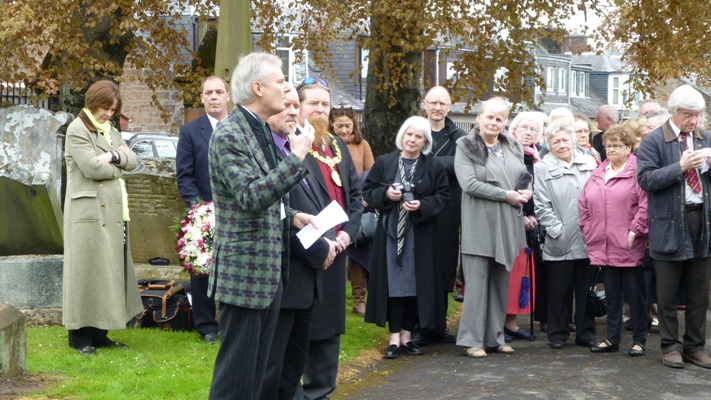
(100, 291)
(488, 164)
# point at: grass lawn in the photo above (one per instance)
(158, 365)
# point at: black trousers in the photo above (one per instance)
(203, 312)
(630, 281)
(695, 273)
(88, 336)
(242, 358)
(402, 313)
(287, 356)
(566, 278)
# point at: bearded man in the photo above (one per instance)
(331, 163)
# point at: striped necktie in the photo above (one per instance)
(692, 177)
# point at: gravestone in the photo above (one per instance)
(30, 181)
(13, 341)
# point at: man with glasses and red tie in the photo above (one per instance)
(673, 163)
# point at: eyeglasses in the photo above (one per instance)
(310, 81)
(526, 128)
(615, 146)
(437, 103)
(341, 111)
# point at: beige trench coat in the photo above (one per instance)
(100, 287)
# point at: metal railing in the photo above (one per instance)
(17, 93)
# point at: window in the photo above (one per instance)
(364, 63)
(615, 95)
(294, 71)
(581, 84)
(451, 73)
(573, 83)
(550, 84)
(561, 80)
(165, 148)
(143, 148)
(499, 77)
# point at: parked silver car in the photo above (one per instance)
(151, 144)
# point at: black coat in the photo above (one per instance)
(305, 273)
(449, 220)
(432, 190)
(329, 317)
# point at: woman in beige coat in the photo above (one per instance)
(100, 291)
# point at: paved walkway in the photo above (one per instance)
(534, 372)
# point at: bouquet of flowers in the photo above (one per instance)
(194, 238)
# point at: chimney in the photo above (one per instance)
(575, 43)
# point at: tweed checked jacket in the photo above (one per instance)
(250, 236)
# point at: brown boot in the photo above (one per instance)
(359, 284)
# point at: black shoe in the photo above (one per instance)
(458, 297)
(636, 350)
(519, 334)
(411, 349)
(442, 336)
(589, 344)
(557, 345)
(391, 352)
(605, 347)
(418, 337)
(210, 338)
(572, 328)
(87, 350)
(507, 338)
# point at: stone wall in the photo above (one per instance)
(154, 204)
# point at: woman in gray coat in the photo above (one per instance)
(100, 290)
(560, 177)
(488, 164)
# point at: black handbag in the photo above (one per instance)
(596, 304)
(165, 306)
(368, 224)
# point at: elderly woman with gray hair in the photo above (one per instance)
(560, 177)
(489, 164)
(409, 188)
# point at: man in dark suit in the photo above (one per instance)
(250, 189)
(337, 180)
(287, 355)
(193, 178)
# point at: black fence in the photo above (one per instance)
(18, 93)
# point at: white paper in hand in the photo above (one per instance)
(329, 217)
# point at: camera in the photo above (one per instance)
(406, 190)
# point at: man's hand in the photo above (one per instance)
(123, 148)
(303, 219)
(630, 239)
(515, 198)
(301, 144)
(691, 159)
(526, 193)
(344, 239)
(332, 253)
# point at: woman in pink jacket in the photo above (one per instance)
(613, 220)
